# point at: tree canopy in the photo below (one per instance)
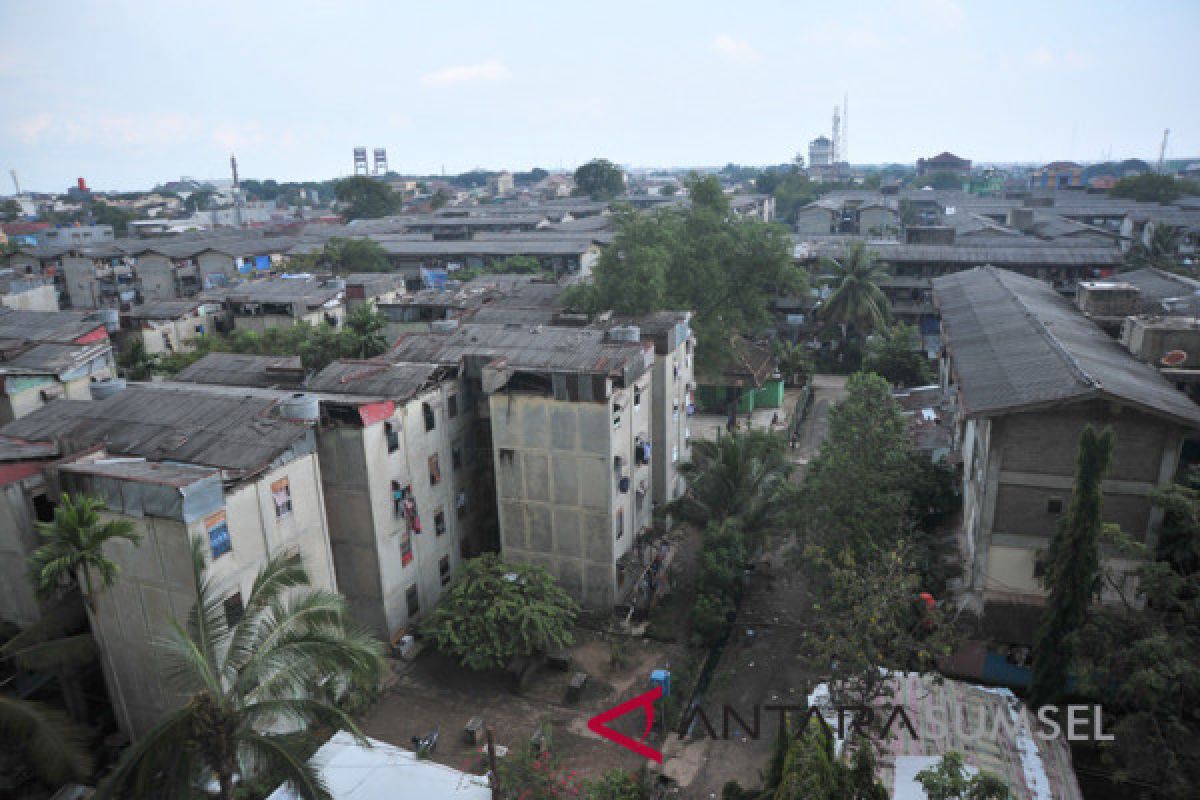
(362, 197)
(496, 612)
(1150, 187)
(948, 780)
(600, 179)
(345, 256)
(897, 355)
(703, 259)
(857, 299)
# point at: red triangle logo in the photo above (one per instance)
(599, 724)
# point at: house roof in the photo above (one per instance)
(51, 358)
(1016, 343)
(163, 309)
(374, 377)
(381, 771)
(230, 433)
(47, 326)
(237, 369)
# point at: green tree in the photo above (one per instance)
(719, 581)
(286, 662)
(940, 180)
(349, 256)
(743, 475)
(367, 325)
(496, 612)
(857, 300)
(10, 210)
(668, 190)
(439, 199)
(1151, 187)
(948, 780)
(1072, 567)
(896, 354)
(793, 191)
(812, 770)
(53, 745)
(869, 618)
(795, 361)
(600, 179)
(104, 214)
(361, 197)
(702, 259)
(1162, 252)
(73, 548)
(198, 200)
(857, 493)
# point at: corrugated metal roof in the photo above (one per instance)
(46, 326)
(237, 369)
(232, 433)
(384, 378)
(1015, 342)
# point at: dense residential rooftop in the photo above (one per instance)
(1016, 343)
(237, 369)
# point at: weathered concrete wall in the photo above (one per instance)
(555, 489)
(156, 276)
(673, 372)
(179, 332)
(216, 269)
(814, 220)
(40, 298)
(79, 281)
(155, 583)
(18, 603)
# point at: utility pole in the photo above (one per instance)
(16, 183)
(1162, 151)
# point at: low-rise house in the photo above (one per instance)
(167, 326)
(230, 472)
(238, 369)
(1026, 372)
(96, 276)
(281, 302)
(371, 288)
(23, 292)
(944, 162)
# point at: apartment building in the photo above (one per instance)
(1025, 372)
(230, 472)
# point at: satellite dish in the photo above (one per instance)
(1174, 358)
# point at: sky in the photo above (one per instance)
(130, 94)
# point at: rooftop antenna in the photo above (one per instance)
(1162, 151)
(16, 183)
(237, 191)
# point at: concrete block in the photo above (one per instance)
(564, 429)
(537, 476)
(596, 490)
(567, 534)
(570, 577)
(534, 425)
(595, 427)
(566, 480)
(512, 525)
(541, 532)
(597, 537)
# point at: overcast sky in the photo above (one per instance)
(129, 94)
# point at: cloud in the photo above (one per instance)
(490, 71)
(143, 128)
(30, 129)
(1045, 58)
(735, 49)
(1040, 57)
(852, 36)
(947, 13)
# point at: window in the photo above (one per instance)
(234, 610)
(452, 406)
(410, 598)
(430, 421)
(460, 503)
(637, 397)
(439, 522)
(620, 522)
(219, 542)
(393, 437)
(435, 471)
(1054, 505)
(456, 457)
(444, 569)
(281, 493)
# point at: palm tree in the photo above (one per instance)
(281, 666)
(53, 745)
(74, 548)
(367, 324)
(857, 300)
(1161, 252)
(742, 475)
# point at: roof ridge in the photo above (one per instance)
(1047, 334)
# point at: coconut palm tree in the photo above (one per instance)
(74, 548)
(857, 300)
(742, 475)
(1161, 252)
(281, 667)
(52, 744)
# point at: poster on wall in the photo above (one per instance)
(218, 534)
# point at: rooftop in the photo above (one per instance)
(1016, 343)
(47, 326)
(236, 434)
(378, 377)
(236, 369)
(50, 358)
(163, 309)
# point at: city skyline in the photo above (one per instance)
(128, 95)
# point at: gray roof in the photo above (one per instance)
(47, 326)
(538, 348)
(52, 358)
(973, 255)
(237, 369)
(175, 475)
(277, 290)
(1016, 343)
(163, 309)
(230, 433)
(377, 377)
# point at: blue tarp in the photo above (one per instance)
(262, 263)
(434, 278)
